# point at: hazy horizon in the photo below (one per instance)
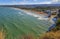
(28, 2)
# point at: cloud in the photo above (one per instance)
(25, 3)
(29, 2)
(55, 0)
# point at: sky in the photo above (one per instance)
(28, 2)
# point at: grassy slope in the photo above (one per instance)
(54, 33)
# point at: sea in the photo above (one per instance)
(16, 22)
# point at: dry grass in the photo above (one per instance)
(30, 36)
(2, 35)
(51, 35)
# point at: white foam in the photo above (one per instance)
(52, 21)
(21, 13)
(39, 17)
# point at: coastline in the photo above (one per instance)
(36, 14)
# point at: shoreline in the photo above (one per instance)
(34, 14)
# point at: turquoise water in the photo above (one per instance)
(16, 22)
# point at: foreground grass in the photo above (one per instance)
(2, 35)
(51, 35)
(54, 33)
